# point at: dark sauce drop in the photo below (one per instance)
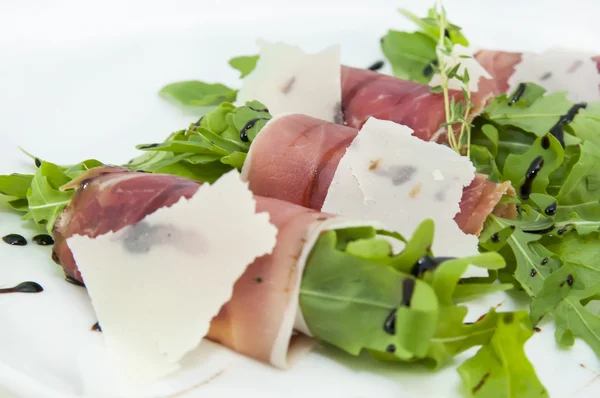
(537, 330)
(447, 33)
(37, 162)
(391, 349)
(248, 126)
(564, 229)
(197, 124)
(428, 70)
(545, 261)
(74, 281)
(551, 209)
(518, 93)
(24, 287)
(15, 240)
(481, 383)
(389, 325)
(427, 263)
(569, 280)
(408, 287)
(495, 238)
(557, 130)
(532, 172)
(149, 146)
(539, 231)
(376, 65)
(96, 327)
(533, 272)
(43, 240)
(545, 142)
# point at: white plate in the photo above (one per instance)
(79, 80)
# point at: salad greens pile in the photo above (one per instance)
(207, 149)
(406, 304)
(549, 149)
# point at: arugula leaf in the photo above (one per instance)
(244, 63)
(500, 368)
(208, 148)
(537, 117)
(197, 93)
(15, 185)
(413, 55)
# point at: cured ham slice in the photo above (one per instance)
(262, 319)
(481, 198)
(367, 94)
(295, 158)
(556, 70)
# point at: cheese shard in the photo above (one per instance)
(286, 79)
(560, 70)
(397, 178)
(464, 56)
(156, 285)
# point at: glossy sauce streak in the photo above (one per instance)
(428, 70)
(74, 281)
(551, 209)
(265, 110)
(248, 126)
(557, 130)
(391, 349)
(533, 272)
(545, 142)
(376, 65)
(43, 240)
(96, 327)
(532, 172)
(149, 146)
(24, 287)
(518, 93)
(37, 162)
(427, 263)
(408, 287)
(540, 231)
(15, 240)
(545, 261)
(495, 238)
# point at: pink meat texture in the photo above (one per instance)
(251, 323)
(294, 159)
(367, 93)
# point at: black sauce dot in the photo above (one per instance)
(389, 325)
(537, 330)
(43, 240)
(258, 279)
(15, 240)
(545, 142)
(545, 261)
(37, 162)
(551, 209)
(569, 280)
(96, 327)
(391, 349)
(376, 65)
(533, 272)
(495, 238)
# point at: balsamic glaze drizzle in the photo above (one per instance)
(96, 327)
(391, 349)
(557, 130)
(408, 287)
(149, 146)
(15, 240)
(551, 209)
(533, 272)
(518, 93)
(540, 231)
(545, 142)
(43, 240)
(74, 281)
(248, 126)
(532, 172)
(545, 261)
(495, 238)
(428, 70)
(389, 325)
(427, 263)
(376, 65)
(37, 162)
(24, 287)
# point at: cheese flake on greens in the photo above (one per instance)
(156, 285)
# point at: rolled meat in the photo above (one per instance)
(367, 94)
(295, 158)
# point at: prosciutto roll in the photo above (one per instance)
(367, 94)
(295, 158)
(262, 319)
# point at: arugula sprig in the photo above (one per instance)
(551, 250)
(405, 306)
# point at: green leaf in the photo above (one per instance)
(469, 291)
(410, 55)
(583, 183)
(45, 199)
(574, 320)
(517, 167)
(536, 118)
(501, 368)
(244, 64)
(338, 289)
(197, 93)
(15, 185)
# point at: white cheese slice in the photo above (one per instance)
(559, 70)
(286, 79)
(464, 56)
(156, 285)
(387, 174)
